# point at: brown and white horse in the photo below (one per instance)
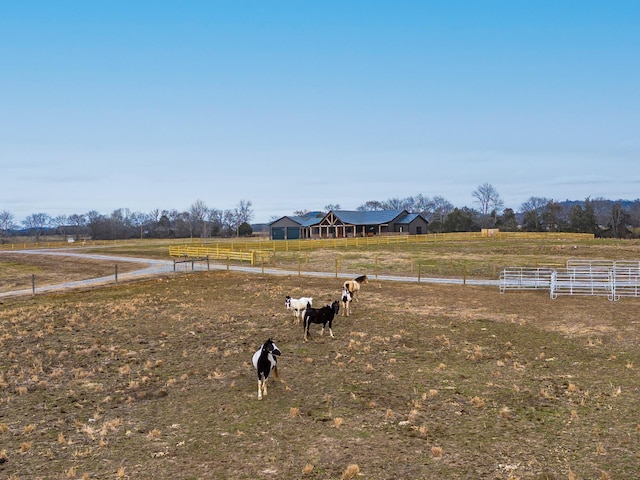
(354, 285)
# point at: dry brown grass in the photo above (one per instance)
(17, 269)
(153, 380)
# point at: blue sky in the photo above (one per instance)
(296, 105)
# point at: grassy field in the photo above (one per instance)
(470, 259)
(153, 380)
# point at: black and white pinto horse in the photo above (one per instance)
(354, 285)
(322, 316)
(264, 360)
(345, 301)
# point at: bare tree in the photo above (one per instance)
(60, 222)
(140, 220)
(332, 207)
(6, 224)
(371, 205)
(441, 207)
(395, 204)
(618, 221)
(490, 202)
(244, 211)
(215, 221)
(242, 214)
(79, 221)
(198, 213)
(36, 222)
(532, 210)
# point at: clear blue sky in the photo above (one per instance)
(295, 105)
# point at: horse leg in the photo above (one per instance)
(264, 387)
(259, 389)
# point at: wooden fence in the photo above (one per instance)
(323, 243)
(215, 252)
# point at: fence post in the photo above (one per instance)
(299, 266)
(376, 267)
(116, 273)
(336, 267)
(464, 275)
(228, 259)
(33, 283)
(419, 272)
(207, 263)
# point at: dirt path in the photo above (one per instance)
(159, 267)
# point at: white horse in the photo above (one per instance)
(298, 305)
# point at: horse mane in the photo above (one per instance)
(361, 279)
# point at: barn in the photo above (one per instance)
(348, 223)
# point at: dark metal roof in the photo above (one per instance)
(356, 217)
(306, 221)
(408, 218)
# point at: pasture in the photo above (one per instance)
(154, 379)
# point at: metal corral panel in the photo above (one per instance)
(582, 281)
(522, 278)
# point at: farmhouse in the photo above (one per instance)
(348, 223)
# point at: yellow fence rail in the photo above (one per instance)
(216, 252)
(261, 251)
(320, 243)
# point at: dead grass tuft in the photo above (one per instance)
(351, 472)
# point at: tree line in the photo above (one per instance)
(602, 217)
(198, 221)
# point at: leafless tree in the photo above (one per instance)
(78, 221)
(532, 213)
(198, 213)
(242, 214)
(244, 211)
(60, 223)
(490, 202)
(618, 221)
(441, 207)
(6, 223)
(371, 206)
(36, 222)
